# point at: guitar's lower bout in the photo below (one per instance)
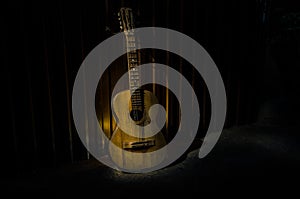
(131, 152)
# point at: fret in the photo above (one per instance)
(135, 101)
(132, 55)
(137, 93)
(134, 77)
(133, 104)
(133, 88)
(133, 61)
(131, 38)
(137, 98)
(134, 70)
(132, 66)
(130, 45)
(134, 74)
(136, 105)
(134, 85)
(134, 82)
(131, 50)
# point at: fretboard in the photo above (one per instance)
(133, 60)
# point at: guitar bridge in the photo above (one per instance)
(138, 144)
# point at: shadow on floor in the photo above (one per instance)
(251, 157)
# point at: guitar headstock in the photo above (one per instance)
(125, 17)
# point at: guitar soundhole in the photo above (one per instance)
(136, 115)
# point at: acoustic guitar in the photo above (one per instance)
(138, 108)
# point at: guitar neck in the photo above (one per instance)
(133, 60)
(133, 57)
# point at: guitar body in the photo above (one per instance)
(124, 141)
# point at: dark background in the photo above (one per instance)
(255, 45)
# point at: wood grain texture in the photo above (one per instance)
(121, 108)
